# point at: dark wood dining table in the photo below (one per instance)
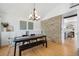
(27, 39)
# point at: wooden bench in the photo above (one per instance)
(31, 45)
(31, 41)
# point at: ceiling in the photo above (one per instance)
(25, 9)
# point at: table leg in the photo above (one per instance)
(15, 49)
(46, 42)
(43, 44)
(43, 39)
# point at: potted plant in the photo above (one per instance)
(5, 25)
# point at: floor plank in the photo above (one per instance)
(53, 49)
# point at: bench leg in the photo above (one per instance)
(46, 44)
(19, 52)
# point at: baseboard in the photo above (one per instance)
(4, 46)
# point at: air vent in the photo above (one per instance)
(73, 5)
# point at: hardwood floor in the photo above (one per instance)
(53, 49)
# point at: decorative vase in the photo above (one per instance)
(4, 29)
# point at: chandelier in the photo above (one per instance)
(34, 15)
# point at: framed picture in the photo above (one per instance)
(23, 25)
(30, 25)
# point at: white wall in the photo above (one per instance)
(14, 19)
(0, 32)
(78, 28)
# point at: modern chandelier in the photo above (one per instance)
(34, 15)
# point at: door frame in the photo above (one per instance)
(62, 31)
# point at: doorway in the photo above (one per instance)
(69, 30)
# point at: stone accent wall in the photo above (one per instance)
(52, 28)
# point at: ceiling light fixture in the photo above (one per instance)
(34, 15)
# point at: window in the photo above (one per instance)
(30, 25)
(23, 25)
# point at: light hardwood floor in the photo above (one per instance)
(53, 49)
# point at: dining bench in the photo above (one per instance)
(31, 45)
(31, 41)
